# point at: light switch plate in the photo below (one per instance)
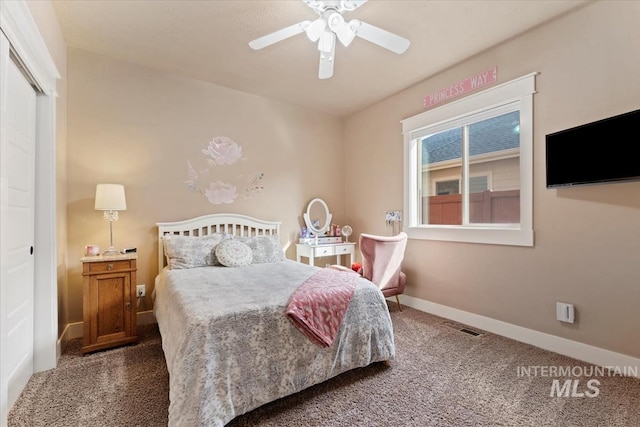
(565, 312)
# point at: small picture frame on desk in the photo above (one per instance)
(91, 250)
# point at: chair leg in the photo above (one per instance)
(398, 300)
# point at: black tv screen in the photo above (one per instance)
(598, 152)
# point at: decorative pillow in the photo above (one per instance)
(191, 252)
(265, 248)
(234, 253)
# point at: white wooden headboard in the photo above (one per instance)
(235, 224)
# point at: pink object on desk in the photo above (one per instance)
(92, 250)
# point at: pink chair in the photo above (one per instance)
(381, 262)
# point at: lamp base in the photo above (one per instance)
(111, 251)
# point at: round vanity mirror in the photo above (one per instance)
(317, 218)
(346, 232)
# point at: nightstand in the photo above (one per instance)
(109, 301)
(311, 251)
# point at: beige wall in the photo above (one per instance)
(587, 240)
(139, 127)
(44, 15)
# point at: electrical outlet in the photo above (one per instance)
(140, 290)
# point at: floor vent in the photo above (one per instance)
(470, 332)
(462, 328)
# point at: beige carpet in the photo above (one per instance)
(440, 377)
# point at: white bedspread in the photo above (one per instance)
(230, 347)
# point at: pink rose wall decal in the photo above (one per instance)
(221, 192)
(222, 151)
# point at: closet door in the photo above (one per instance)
(17, 199)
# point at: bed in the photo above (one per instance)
(228, 344)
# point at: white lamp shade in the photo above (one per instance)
(110, 197)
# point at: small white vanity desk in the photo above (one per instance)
(312, 251)
(320, 245)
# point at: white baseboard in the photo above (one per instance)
(76, 329)
(584, 352)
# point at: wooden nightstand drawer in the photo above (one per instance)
(107, 266)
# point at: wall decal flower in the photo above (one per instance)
(221, 193)
(222, 151)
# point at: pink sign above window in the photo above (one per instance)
(462, 87)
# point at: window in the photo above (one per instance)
(468, 168)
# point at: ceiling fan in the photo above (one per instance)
(331, 25)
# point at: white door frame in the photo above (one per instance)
(25, 39)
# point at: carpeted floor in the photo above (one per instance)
(440, 377)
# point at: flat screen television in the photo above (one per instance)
(598, 152)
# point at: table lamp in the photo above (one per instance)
(110, 199)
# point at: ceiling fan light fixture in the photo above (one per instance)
(342, 29)
(330, 25)
(315, 29)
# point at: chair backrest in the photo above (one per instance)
(382, 258)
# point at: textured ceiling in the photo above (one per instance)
(207, 40)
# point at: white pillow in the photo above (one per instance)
(265, 248)
(234, 253)
(191, 252)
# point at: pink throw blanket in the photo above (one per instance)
(318, 306)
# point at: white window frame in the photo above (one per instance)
(519, 91)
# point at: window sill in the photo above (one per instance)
(491, 236)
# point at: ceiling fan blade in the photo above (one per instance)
(315, 29)
(327, 48)
(378, 36)
(341, 28)
(326, 67)
(279, 35)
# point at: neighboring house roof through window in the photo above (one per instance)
(488, 136)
